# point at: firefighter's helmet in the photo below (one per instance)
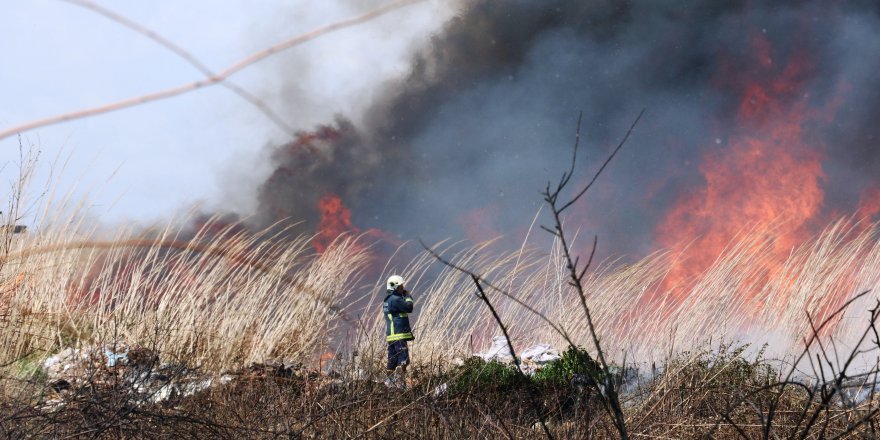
(394, 281)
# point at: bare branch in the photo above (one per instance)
(577, 141)
(188, 57)
(609, 396)
(533, 400)
(605, 164)
(590, 261)
(558, 329)
(213, 80)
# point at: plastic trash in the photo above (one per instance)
(116, 358)
(540, 354)
(498, 351)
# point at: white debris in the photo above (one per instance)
(150, 380)
(163, 393)
(116, 357)
(535, 357)
(171, 390)
(57, 363)
(194, 387)
(499, 351)
(532, 359)
(540, 354)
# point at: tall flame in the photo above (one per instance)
(335, 221)
(768, 173)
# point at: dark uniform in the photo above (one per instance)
(396, 308)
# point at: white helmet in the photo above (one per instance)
(394, 281)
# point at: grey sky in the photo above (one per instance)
(202, 147)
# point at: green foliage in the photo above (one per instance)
(477, 374)
(574, 361)
(30, 367)
(483, 376)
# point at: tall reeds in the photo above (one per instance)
(217, 300)
(745, 295)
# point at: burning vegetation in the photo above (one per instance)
(759, 115)
(742, 209)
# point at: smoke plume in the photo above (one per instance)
(754, 109)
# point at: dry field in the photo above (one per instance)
(290, 340)
(225, 301)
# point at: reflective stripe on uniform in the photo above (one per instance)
(391, 320)
(398, 337)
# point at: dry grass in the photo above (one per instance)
(689, 400)
(743, 296)
(220, 300)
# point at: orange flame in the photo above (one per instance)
(770, 172)
(335, 221)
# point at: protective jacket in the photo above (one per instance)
(396, 309)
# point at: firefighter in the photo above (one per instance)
(396, 308)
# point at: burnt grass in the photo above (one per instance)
(718, 394)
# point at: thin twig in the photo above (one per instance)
(557, 328)
(608, 395)
(216, 79)
(532, 398)
(605, 164)
(188, 57)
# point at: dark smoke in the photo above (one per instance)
(487, 115)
